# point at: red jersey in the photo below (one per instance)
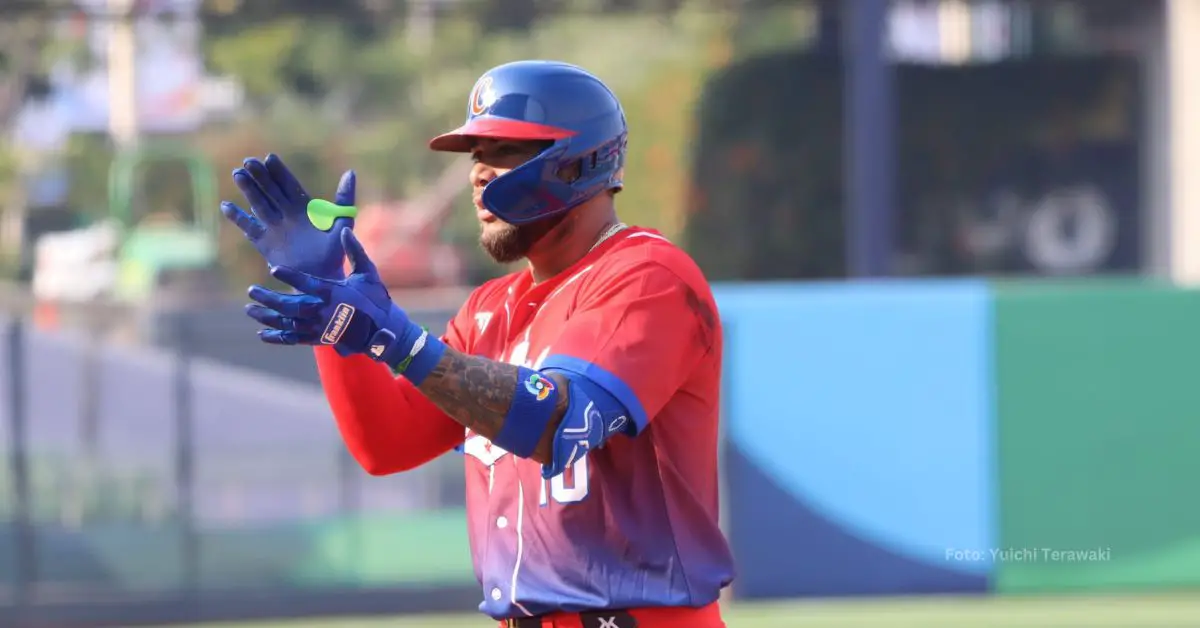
(632, 524)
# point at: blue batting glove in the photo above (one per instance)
(287, 226)
(355, 315)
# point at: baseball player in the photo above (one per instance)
(582, 390)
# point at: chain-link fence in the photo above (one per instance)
(137, 479)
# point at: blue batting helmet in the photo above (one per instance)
(550, 101)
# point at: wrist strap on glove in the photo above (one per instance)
(415, 359)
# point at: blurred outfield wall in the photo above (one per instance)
(926, 437)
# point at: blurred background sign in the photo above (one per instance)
(169, 66)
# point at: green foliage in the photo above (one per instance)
(329, 93)
(88, 158)
(332, 86)
(767, 171)
(257, 56)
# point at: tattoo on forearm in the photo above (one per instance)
(477, 392)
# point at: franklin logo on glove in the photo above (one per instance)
(337, 324)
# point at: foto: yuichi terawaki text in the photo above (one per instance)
(1030, 555)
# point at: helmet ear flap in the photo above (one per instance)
(571, 171)
(608, 160)
(553, 182)
(529, 192)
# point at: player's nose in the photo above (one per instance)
(482, 174)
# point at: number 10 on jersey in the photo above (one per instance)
(568, 487)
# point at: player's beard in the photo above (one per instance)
(507, 243)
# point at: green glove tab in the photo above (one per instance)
(322, 213)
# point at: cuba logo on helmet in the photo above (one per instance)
(483, 96)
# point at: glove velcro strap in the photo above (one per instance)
(422, 358)
(416, 361)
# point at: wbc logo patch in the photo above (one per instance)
(539, 386)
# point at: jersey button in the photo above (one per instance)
(502, 522)
(496, 594)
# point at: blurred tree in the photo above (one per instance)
(28, 47)
(337, 85)
(365, 83)
(506, 15)
(766, 173)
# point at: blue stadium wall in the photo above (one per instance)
(859, 457)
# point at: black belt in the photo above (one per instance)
(591, 619)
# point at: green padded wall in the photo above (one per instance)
(1098, 435)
